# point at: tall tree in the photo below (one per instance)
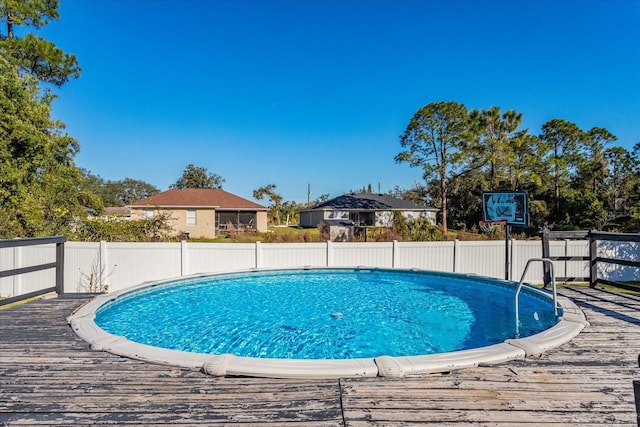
(419, 194)
(563, 139)
(529, 172)
(276, 200)
(33, 55)
(198, 177)
(117, 193)
(437, 140)
(592, 167)
(622, 182)
(465, 199)
(126, 191)
(495, 132)
(526, 168)
(634, 195)
(39, 182)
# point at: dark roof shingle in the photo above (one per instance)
(368, 201)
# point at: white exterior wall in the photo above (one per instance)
(413, 215)
(382, 218)
(311, 219)
(126, 264)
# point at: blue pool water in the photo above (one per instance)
(326, 314)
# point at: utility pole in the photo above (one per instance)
(308, 193)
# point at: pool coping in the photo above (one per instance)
(82, 321)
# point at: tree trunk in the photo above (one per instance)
(9, 27)
(443, 202)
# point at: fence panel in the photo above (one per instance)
(622, 250)
(436, 256)
(362, 254)
(36, 255)
(127, 264)
(219, 257)
(521, 252)
(131, 263)
(559, 248)
(577, 268)
(283, 255)
(9, 286)
(31, 260)
(483, 257)
(27, 256)
(80, 259)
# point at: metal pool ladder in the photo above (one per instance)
(553, 286)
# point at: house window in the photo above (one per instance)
(191, 217)
(148, 213)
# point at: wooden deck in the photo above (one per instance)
(50, 377)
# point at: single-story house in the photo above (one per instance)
(203, 212)
(365, 209)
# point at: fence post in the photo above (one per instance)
(546, 253)
(636, 394)
(258, 254)
(593, 264)
(507, 261)
(329, 253)
(395, 255)
(60, 267)
(456, 256)
(565, 265)
(512, 242)
(17, 263)
(103, 262)
(184, 258)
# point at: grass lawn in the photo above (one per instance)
(605, 287)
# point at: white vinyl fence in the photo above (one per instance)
(27, 256)
(89, 267)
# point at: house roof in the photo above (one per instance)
(198, 197)
(368, 201)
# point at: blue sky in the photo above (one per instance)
(298, 92)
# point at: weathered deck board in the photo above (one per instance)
(586, 382)
(48, 376)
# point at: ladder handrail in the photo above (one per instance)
(553, 287)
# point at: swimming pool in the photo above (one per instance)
(326, 322)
